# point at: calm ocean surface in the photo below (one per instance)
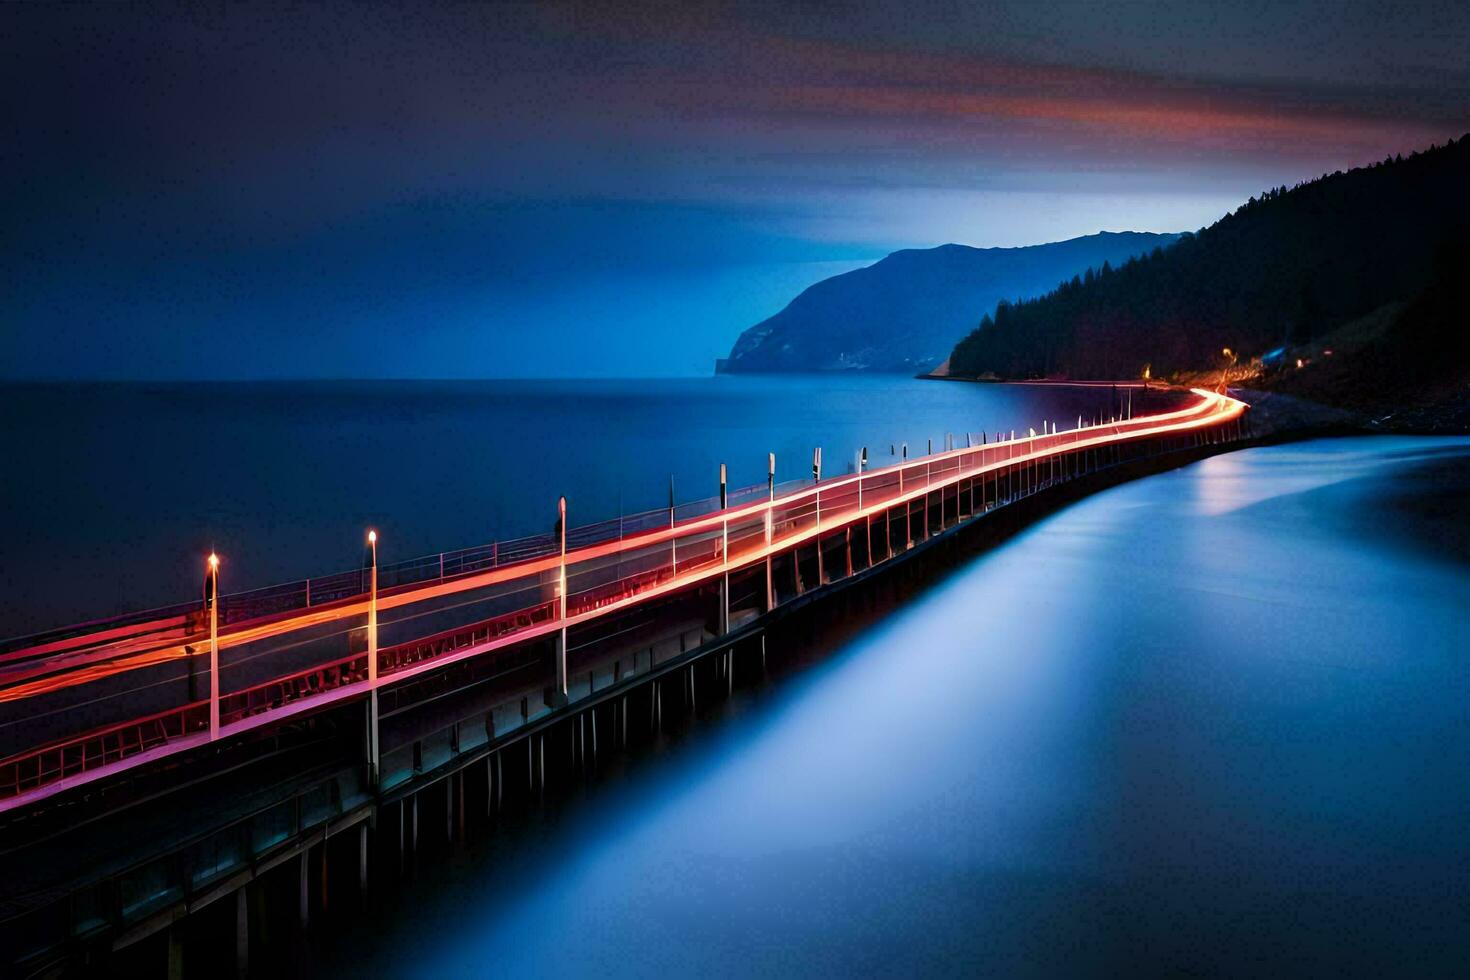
(1214, 722)
(1210, 723)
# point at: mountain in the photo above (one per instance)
(1344, 255)
(904, 312)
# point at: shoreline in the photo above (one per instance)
(1281, 417)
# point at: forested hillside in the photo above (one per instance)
(1283, 269)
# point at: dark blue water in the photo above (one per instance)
(1216, 722)
(112, 494)
(1213, 723)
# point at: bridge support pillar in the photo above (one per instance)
(242, 933)
(459, 806)
(325, 875)
(373, 752)
(559, 693)
(724, 604)
(303, 877)
(362, 857)
(175, 953)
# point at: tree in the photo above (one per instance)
(1293, 263)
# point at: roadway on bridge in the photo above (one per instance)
(48, 698)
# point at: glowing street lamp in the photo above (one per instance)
(372, 657)
(560, 694)
(212, 602)
(770, 503)
(724, 553)
(372, 539)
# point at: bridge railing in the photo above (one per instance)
(50, 763)
(493, 594)
(796, 512)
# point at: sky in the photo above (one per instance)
(377, 190)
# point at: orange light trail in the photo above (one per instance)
(72, 669)
(1212, 409)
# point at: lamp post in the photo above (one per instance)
(908, 537)
(770, 505)
(561, 589)
(673, 542)
(1031, 461)
(372, 634)
(372, 657)
(212, 600)
(724, 623)
(817, 479)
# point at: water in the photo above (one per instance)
(114, 493)
(1212, 722)
(1209, 723)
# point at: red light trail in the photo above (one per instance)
(774, 525)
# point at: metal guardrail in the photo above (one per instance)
(458, 599)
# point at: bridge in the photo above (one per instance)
(491, 644)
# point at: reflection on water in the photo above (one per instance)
(1214, 721)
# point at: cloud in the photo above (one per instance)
(303, 169)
